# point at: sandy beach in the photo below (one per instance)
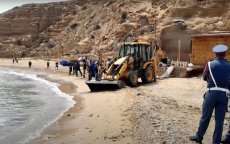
(96, 117)
(165, 112)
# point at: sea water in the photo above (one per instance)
(28, 104)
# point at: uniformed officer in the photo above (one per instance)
(217, 75)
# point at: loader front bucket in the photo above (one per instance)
(104, 85)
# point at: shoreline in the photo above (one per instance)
(65, 87)
(101, 115)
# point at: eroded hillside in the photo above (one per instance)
(94, 26)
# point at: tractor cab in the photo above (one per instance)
(142, 52)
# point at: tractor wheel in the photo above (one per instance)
(132, 78)
(148, 75)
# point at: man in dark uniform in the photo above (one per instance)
(56, 65)
(30, 64)
(77, 68)
(91, 72)
(48, 64)
(217, 74)
(70, 68)
(84, 67)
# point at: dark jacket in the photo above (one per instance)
(221, 72)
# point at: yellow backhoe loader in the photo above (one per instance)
(135, 60)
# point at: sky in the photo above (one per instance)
(6, 5)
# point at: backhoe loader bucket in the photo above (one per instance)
(104, 85)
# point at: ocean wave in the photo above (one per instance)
(53, 87)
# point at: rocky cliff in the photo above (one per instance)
(31, 18)
(78, 26)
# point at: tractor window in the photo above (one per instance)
(122, 51)
(129, 49)
(134, 51)
(143, 52)
(148, 51)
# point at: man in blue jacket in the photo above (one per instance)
(217, 75)
(91, 69)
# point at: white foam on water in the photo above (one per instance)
(54, 87)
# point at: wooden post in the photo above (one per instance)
(179, 47)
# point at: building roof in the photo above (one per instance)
(211, 34)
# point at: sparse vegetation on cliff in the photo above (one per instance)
(86, 26)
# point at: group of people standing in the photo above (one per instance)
(94, 68)
(75, 67)
(47, 64)
(15, 60)
(56, 64)
(97, 68)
